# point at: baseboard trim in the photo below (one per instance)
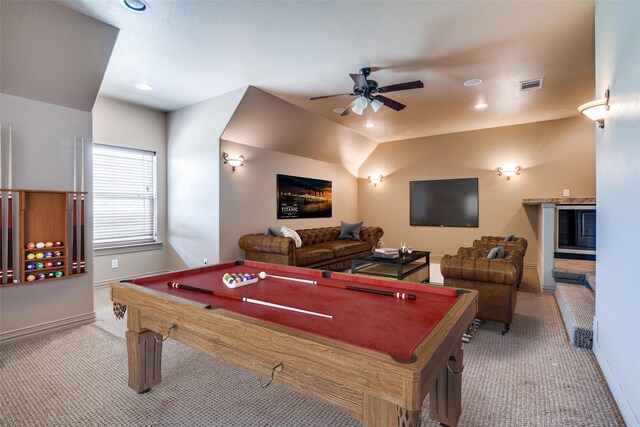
(47, 328)
(629, 416)
(104, 283)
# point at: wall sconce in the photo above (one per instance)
(233, 162)
(596, 110)
(375, 180)
(509, 171)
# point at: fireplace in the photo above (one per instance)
(575, 231)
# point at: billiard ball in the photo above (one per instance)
(31, 266)
(48, 264)
(59, 274)
(58, 263)
(57, 244)
(39, 265)
(31, 245)
(31, 278)
(48, 244)
(31, 256)
(40, 245)
(262, 275)
(51, 274)
(57, 253)
(48, 254)
(42, 276)
(39, 255)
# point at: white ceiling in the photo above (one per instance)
(191, 50)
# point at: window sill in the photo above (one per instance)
(127, 249)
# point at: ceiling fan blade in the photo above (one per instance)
(394, 105)
(330, 96)
(401, 86)
(360, 80)
(347, 110)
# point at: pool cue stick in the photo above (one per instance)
(399, 295)
(244, 299)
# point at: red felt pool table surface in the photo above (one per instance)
(371, 321)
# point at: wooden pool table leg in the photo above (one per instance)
(145, 355)
(380, 413)
(446, 393)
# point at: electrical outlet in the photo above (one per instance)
(205, 261)
(565, 193)
(114, 263)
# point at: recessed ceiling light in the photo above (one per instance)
(143, 86)
(135, 5)
(339, 110)
(481, 106)
(472, 82)
(368, 125)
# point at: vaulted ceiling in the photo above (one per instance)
(190, 51)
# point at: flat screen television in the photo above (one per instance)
(444, 202)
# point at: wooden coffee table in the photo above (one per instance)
(405, 265)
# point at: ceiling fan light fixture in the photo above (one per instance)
(359, 105)
(472, 82)
(376, 105)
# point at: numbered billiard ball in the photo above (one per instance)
(57, 253)
(51, 274)
(31, 278)
(48, 254)
(58, 263)
(39, 255)
(40, 245)
(59, 274)
(31, 256)
(39, 265)
(56, 244)
(42, 276)
(31, 266)
(48, 244)
(48, 264)
(31, 245)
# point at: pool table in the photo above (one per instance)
(374, 356)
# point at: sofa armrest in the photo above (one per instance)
(371, 235)
(267, 244)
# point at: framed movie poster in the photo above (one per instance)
(303, 197)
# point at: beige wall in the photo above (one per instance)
(554, 155)
(125, 125)
(248, 195)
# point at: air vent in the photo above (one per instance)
(531, 85)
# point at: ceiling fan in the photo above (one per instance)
(367, 90)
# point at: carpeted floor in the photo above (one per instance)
(530, 377)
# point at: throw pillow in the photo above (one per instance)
(287, 232)
(350, 231)
(509, 238)
(272, 232)
(495, 253)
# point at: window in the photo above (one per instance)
(124, 196)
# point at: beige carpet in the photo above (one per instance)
(529, 377)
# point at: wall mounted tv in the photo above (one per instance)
(444, 203)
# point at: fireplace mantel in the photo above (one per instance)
(560, 200)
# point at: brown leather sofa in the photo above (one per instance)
(496, 280)
(320, 247)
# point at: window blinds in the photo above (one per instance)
(124, 196)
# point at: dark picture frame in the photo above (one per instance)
(300, 197)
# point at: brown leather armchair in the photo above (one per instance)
(517, 244)
(495, 279)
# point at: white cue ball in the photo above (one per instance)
(262, 275)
